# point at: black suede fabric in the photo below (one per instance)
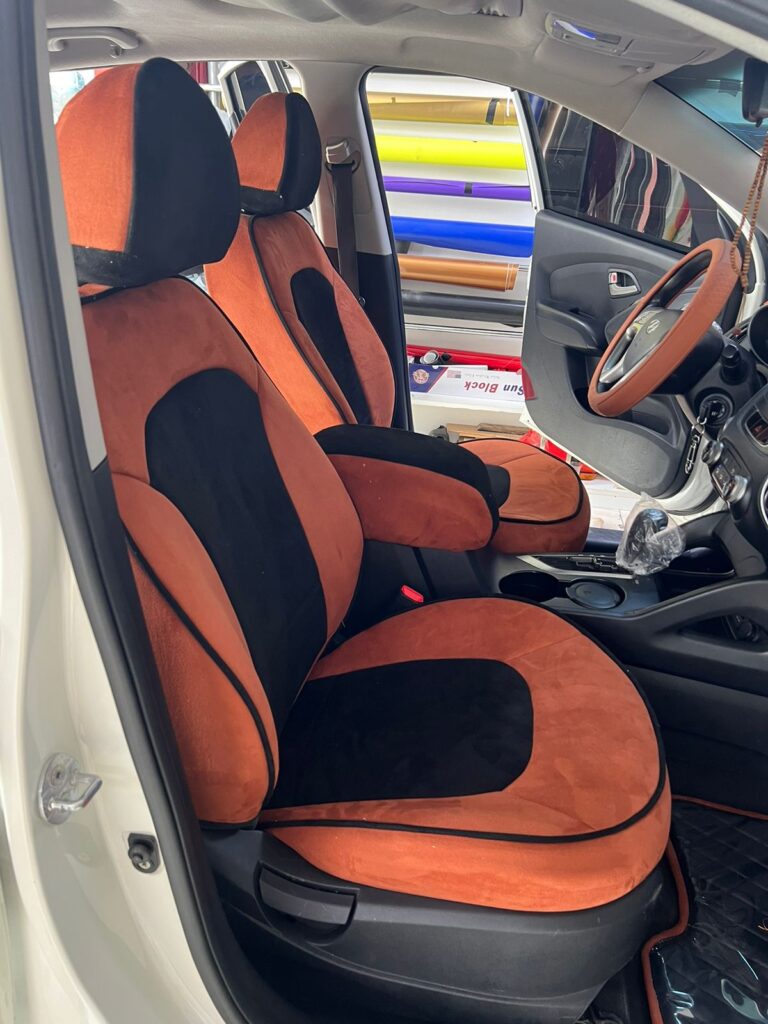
(316, 307)
(500, 483)
(208, 453)
(185, 204)
(411, 730)
(301, 169)
(408, 448)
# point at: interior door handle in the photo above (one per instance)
(622, 283)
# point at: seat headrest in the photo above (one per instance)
(150, 183)
(277, 148)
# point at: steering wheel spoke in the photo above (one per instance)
(616, 367)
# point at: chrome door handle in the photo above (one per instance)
(622, 283)
(64, 789)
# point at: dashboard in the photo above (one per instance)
(738, 457)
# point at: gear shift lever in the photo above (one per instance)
(651, 540)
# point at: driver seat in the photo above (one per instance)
(328, 361)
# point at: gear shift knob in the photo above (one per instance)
(650, 540)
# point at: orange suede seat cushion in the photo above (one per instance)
(547, 508)
(585, 822)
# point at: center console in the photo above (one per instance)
(589, 583)
(738, 464)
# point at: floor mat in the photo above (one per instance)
(715, 970)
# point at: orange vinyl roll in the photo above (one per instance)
(446, 109)
(499, 277)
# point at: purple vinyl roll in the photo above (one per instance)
(443, 187)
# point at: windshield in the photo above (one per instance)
(715, 90)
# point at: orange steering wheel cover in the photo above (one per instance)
(719, 280)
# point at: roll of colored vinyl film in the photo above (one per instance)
(495, 276)
(407, 149)
(437, 109)
(468, 189)
(468, 236)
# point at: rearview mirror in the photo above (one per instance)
(754, 96)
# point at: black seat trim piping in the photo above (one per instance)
(213, 655)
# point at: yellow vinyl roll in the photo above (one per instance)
(448, 109)
(499, 277)
(405, 149)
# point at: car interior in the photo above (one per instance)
(444, 751)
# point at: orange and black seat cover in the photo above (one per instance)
(138, 209)
(478, 751)
(328, 362)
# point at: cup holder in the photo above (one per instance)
(532, 586)
(597, 595)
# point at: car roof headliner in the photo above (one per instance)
(429, 35)
(420, 34)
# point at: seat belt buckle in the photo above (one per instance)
(405, 600)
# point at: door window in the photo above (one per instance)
(590, 172)
(459, 196)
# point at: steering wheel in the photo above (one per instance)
(654, 340)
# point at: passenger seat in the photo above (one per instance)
(328, 362)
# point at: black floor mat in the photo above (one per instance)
(716, 972)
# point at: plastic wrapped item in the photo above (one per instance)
(651, 540)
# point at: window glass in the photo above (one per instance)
(715, 89)
(590, 172)
(459, 195)
(64, 85)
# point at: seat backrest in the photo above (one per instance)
(329, 362)
(244, 544)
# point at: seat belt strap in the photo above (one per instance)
(341, 165)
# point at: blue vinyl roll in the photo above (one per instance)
(466, 236)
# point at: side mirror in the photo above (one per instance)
(754, 95)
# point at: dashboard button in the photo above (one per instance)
(736, 489)
(713, 452)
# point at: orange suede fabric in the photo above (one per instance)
(260, 164)
(419, 508)
(287, 244)
(221, 751)
(181, 563)
(97, 174)
(143, 341)
(298, 371)
(595, 764)
(523, 538)
(547, 508)
(283, 245)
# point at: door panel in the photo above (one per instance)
(614, 219)
(569, 306)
